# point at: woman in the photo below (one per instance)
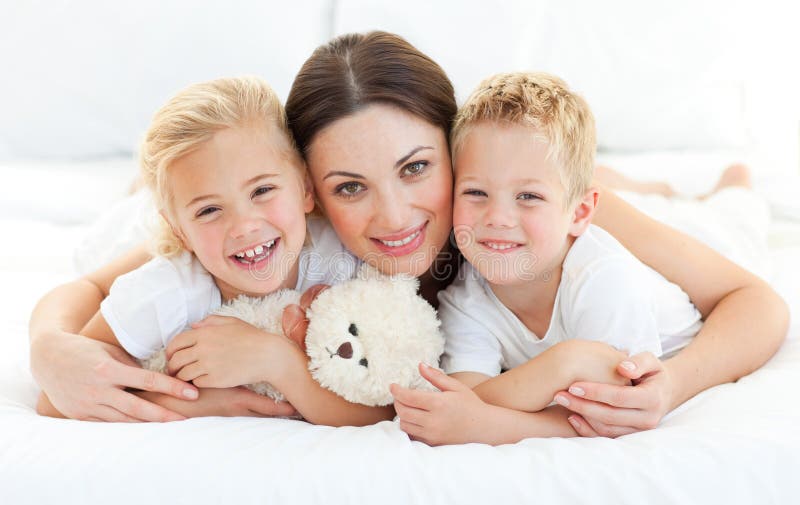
(371, 115)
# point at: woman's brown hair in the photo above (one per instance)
(356, 70)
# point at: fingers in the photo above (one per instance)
(142, 410)
(581, 427)
(181, 341)
(191, 372)
(147, 380)
(605, 430)
(180, 359)
(107, 413)
(639, 365)
(295, 324)
(595, 412)
(628, 397)
(414, 432)
(311, 294)
(423, 400)
(410, 414)
(439, 379)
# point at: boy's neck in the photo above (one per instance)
(533, 301)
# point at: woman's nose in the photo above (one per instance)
(393, 209)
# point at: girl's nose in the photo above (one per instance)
(245, 224)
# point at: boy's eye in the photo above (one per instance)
(528, 196)
(206, 211)
(415, 168)
(349, 189)
(262, 190)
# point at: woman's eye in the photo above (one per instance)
(415, 168)
(207, 211)
(474, 192)
(349, 189)
(262, 190)
(528, 196)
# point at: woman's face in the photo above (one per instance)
(383, 178)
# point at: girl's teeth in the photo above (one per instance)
(259, 249)
(240, 255)
(249, 253)
(398, 243)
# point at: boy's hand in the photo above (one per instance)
(453, 416)
(223, 352)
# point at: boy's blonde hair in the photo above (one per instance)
(191, 118)
(545, 103)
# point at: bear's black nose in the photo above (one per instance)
(345, 350)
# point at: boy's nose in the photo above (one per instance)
(499, 215)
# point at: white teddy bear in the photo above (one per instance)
(363, 335)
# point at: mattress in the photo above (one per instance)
(734, 443)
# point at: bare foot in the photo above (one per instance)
(735, 175)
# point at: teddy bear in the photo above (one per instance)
(363, 335)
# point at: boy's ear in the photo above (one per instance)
(176, 230)
(584, 211)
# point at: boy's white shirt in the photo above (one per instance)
(605, 294)
(147, 307)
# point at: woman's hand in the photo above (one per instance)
(453, 416)
(611, 411)
(224, 352)
(86, 379)
(227, 402)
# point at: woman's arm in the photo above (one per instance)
(84, 378)
(745, 324)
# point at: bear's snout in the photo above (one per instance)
(345, 350)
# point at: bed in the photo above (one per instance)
(735, 443)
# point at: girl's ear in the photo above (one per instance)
(176, 230)
(584, 211)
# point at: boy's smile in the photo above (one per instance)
(509, 213)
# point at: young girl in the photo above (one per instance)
(233, 194)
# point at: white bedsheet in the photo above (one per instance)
(735, 443)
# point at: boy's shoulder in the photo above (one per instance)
(593, 247)
(468, 288)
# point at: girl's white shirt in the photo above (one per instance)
(147, 307)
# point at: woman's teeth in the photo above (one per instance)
(255, 254)
(398, 243)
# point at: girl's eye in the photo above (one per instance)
(529, 196)
(262, 190)
(349, 189)
(206, 211)
(414, 169)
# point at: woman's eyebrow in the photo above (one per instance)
(343, 174)
(410, 154)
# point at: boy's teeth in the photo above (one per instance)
(500, 247)
(398, 243)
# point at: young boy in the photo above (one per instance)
(539, 276)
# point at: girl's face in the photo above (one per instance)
(383, 178)
(239, 203)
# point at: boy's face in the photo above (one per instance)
(239, 205)
(509, 214)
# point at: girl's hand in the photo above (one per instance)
(228, 402)
(86, 379)
(224, 352)
(453, 416)
(611, 411)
